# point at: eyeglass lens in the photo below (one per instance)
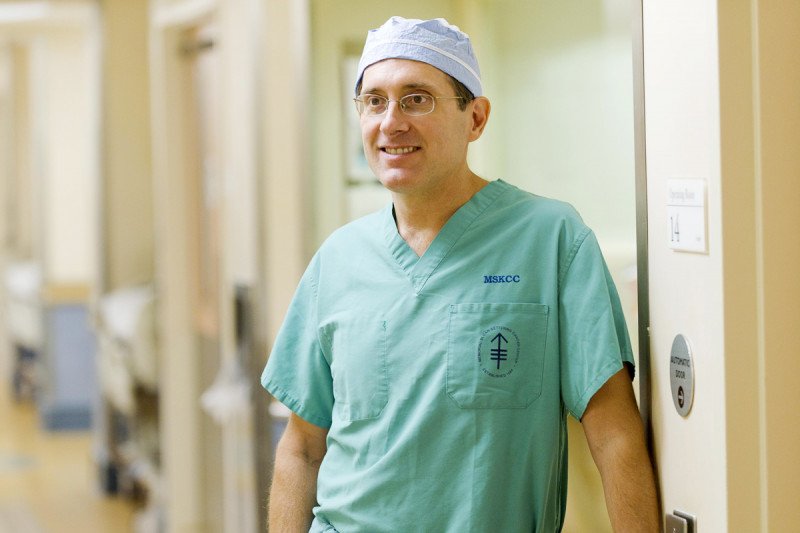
(411, 104)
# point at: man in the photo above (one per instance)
(433, 350)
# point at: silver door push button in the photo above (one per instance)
(681, 375)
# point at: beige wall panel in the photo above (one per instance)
(68, 123)
(760, 77)
(6, 169)
(128, 183)
(239, 25)
(742, 322)
(286, 120)
(779, 183)
(21, 215)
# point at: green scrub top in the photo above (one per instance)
(445, 380)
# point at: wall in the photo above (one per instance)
(67, 121)
(19, 206)
(778, 194)
(559, 75)
(6, 168)
(240, 25)
(760, 123)
(721, 105)
(741, 271)
(285, 133)
(56, 90)
(51, 173)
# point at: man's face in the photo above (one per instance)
(415, 154)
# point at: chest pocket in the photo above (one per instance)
(495, 354)
(360, 376)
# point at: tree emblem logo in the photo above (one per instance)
(498, 351)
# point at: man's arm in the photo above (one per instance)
(616, 439)
(294, 484)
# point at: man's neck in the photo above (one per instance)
(420, 217)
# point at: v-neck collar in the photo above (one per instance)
(420, 269)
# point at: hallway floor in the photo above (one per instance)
(48, 480)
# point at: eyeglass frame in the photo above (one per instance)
(358, 100)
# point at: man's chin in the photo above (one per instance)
(397, 183)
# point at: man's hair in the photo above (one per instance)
(459, 88)
(462, 91)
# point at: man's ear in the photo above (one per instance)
(480, 108)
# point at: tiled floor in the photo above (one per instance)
(48, 480)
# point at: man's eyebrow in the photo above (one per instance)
(407, 86)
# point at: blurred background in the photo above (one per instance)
(167, 169)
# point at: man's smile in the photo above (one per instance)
(399, 150)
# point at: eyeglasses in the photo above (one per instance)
(373, 105)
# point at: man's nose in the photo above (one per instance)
(394, 119)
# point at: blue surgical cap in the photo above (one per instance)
(435, 42)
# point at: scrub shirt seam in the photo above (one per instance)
(322, 333)
(319, 331)
(577, 243)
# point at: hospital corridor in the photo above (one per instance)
(169, 168)
(48, 481)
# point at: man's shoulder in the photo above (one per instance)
(522, 204)
(356, 233)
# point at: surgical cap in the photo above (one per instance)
(435, 42)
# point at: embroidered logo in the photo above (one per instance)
(509, 278)
(498, 351)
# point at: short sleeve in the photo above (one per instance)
(297, 372)
(592, 332)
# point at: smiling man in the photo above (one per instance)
(434, 349)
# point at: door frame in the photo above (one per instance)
(179, 392)
(642, 265)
